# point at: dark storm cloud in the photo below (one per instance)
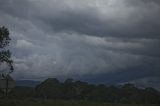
(136, 19)
(105, 39)
(16, 8)
(140, 21)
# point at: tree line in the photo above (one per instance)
(78, 90)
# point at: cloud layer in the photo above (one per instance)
(68, 38)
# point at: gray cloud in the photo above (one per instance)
(105, 18)
(80, 38)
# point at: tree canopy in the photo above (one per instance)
(5, 54)
(78, 90)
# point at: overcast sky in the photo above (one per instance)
(104, 41)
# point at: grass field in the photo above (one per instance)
(34, 102)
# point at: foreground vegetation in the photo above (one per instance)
(36, 102)
(51, 92)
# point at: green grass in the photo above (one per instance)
(34, 102)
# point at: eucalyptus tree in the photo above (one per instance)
(5, 54)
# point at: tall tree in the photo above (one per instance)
(5, 54)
